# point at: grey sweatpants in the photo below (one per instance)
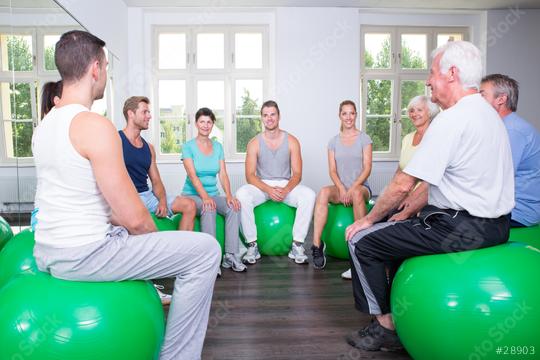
(192, 258)
(232, 222)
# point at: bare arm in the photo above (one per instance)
(226, 185)
(224, 179)
(332, 170)
(296, 165)
(251, 167)
(394, 194)
(413, 203)
(95, 138)
(157, 185)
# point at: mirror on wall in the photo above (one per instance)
(29, 31)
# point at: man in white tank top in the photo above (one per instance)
(92, 225)
(274, 171)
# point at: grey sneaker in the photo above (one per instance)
(252, 254)
(298, 254)
(375, 338)
(232, 262)
(165, 298)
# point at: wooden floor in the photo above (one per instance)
(280, 310)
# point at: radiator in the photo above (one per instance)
(236, 180)
(22, 191)
(379, 179)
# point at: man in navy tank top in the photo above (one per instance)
(140, 159)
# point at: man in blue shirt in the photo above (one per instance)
(502, 92)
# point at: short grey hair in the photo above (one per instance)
(503, 84)
(433, 109)
(465, 57)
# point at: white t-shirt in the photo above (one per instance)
(72, 209)
(465, 156)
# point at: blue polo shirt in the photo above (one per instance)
(525, 144)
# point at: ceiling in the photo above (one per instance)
(379, 4)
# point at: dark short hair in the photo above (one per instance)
(49, 91)
(205, 112)
(503, 84)
(270, 103)
(132, 104)
(75, 51)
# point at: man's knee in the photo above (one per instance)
(184, 205)
(243, 194)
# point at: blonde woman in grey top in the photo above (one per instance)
(349, 162)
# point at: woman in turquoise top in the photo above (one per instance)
(203, 160)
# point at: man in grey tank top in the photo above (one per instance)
(273, 172)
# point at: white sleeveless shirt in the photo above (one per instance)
(72, 209)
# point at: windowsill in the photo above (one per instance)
(175, 161)
(16, 165)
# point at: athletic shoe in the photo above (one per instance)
(252, 254)
(319, 261)
(165, 298)
(346, 275)
(376, 338)
(298, 254)
(231, 262)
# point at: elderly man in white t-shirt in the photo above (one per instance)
(465, 158)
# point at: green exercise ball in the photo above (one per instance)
(17, 257)
(163, 224)
(44, 318)
(220, 227)
(464, 305)
(274, 222)
(339, 217)
(5, 232)
(527, 235)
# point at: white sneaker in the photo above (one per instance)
(232, 262)
(298, 254)
(347, 275)
(165, 298)
(252, 254)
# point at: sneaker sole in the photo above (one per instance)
(320, 267)
(292, 257)
(238, 270)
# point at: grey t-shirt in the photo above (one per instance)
(349, 159)
(274, 164)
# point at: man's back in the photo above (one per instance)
(73, 211)
(525, 144)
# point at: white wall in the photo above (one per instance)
(317, 67)
(108, 20)
(513, 48)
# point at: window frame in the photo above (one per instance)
(397, 75)
(36, 78)
(191, 75)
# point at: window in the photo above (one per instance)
(222, 68)
(26, 63)
(395, 65)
